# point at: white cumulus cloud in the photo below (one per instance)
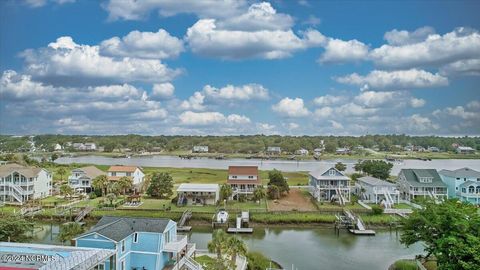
(291, 107)
(154, 45)
(399, 79)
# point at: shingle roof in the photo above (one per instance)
(375, 181)
(117, 228)
(122, 168)
(461, 173)
(92, 171)
(411, 175)
(322, 169)
(26, 171)
(243, 170)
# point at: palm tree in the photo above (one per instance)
(61, 171)
(259, 193)
(66, 190)
(111, 197)
(218, 243)
(235, 247)
(101, 182)
(125, 183)
(115, 188)
(69, 231)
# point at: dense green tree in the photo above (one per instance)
(68, 231)
(161, 185)
(276, 178)
(15, 229)
(219, 243)
(376, 168)
(61, 171)
(340, 166)
(273, 192)
(450, 231)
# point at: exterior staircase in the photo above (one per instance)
(341, 200)
(16, 192)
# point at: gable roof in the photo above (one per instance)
(117, 228)
(14, 167)
(324, 168)
(119, 168)
(91, 171)
(373, 181)
(469, 183)
(412, 177)
(243, 170)
(461, 173)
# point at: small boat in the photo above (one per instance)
(222, 216)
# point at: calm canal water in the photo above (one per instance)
(283, 165)
(306, 248)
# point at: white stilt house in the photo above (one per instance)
(329, 184)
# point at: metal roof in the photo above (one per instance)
(58, 257)
(198, 188)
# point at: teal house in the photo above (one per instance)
(140, 244)
(463, 184)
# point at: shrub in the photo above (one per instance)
(377, 210)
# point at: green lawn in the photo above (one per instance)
(402, 206)
(207, 262)
(52, 200)
(327, 206)
(157, 204)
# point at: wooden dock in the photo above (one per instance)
(240, 230)
(362, 232)
(184, 228)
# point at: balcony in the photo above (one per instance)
(470, 194)
(177, 245)
(384, 190)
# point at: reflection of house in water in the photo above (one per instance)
(192, 194)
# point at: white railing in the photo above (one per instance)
(177, 245)
(333, 187)
(468, 194)
(243, 190)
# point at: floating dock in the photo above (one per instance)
(242, 221)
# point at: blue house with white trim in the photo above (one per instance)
(140, 243)
(463, 183)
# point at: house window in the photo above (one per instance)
(458, 178)
(234, 176)
(135, 237)
(129, 174)
(123, 266)
(471, 189)
(464, 190)
(250, 177)
(123, 245)
(331, 172)
(167, 237)
(114, 174)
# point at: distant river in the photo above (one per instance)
(283, 165)
(307, 248)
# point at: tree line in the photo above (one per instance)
(249, 144)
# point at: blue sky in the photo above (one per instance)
(240, 67)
